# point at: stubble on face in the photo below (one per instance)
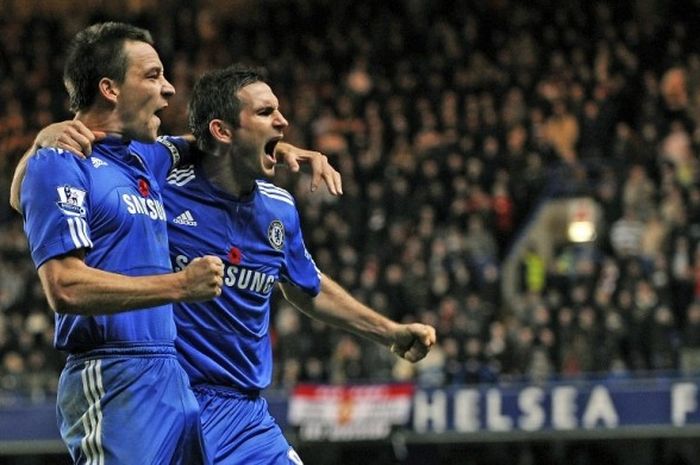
(260, 128)
(143, 94)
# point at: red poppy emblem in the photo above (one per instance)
(144, 188)
(234, 256)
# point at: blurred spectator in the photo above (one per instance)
(562, 131)
(626, 234)
(534, 271)
(690, 341)
(450, 131)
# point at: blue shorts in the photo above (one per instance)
(129, 405)
(239, 429)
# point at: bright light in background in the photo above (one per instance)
(581, 231)
(581, 219)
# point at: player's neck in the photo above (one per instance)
(222, 171)
(97, 120)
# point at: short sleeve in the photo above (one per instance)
(299, 267)
(55, 205)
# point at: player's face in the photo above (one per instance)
(261, 126)
(143, 94)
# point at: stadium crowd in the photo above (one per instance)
(451, 122)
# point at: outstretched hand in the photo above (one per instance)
(321, 169)
(71, 135)
(413, 341)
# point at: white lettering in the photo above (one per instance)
(600, 408)
(129, 206)
(684, 399)
(427, 410)
(139, 205)
(152, 209)
(268, 284)
(320, 431)
(180, 263)
(495, 420)
(530, 403)
(467, 410)
(258, 282)
(244, 278)
(234, 276)
(564, 407)
(143, 204)
(231, 272)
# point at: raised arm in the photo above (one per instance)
(75, 137)
(293, 157)
(73, 287)
(335, 306)
(321, 169)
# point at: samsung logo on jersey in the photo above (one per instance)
(144, 206)
(238, 277)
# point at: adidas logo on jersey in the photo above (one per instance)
(185, 218)
(96, 162)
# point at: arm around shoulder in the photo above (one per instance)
(18, 177)
(71, 135)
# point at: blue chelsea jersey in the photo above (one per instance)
(225, 341)
(110, 206)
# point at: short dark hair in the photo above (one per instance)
(94, 53)
(214, 96)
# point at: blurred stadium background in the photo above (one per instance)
(522, 175)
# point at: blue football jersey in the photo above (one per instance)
(110, 205)
(226, 341)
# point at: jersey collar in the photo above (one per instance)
(114, 145)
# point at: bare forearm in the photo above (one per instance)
(18, 177)
(337, 307)
(79, 289)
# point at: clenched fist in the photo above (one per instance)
(204, 277)
(413, 341)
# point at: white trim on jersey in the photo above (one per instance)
(180, 177)
(78, 232)
(274, 192)
(172, 148)
(94, 391)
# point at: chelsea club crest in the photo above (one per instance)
(275, 234)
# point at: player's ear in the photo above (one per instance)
(108, 89)
(220, 131)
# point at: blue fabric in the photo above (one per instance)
(129, 405)
(125, 399)
(110, 206)
(225, 341)
(239, 429)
